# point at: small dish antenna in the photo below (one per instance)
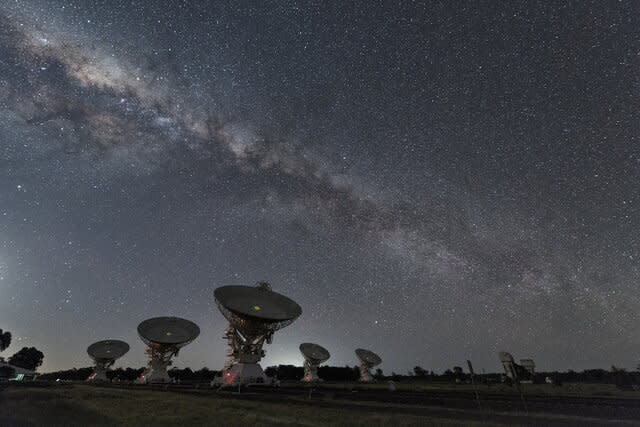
(513, 370)
(314, 355)
(368, 359)
(529, 365)
(509, 365)
(104, 354)
(164, 337)
(254, 314)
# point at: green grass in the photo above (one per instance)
(567, 389)
(88, 405)
(81, 405)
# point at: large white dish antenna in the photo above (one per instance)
(368, 359)
(168, 331)
(104, 354)
(254, 314)
(255, 310)
(314, 352)
(108, 349)
(164, 336)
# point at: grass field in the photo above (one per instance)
(87, 405)
(79, 404)
(567, 389)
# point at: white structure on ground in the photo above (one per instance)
(164, 337)
(529, 365)
(314, 355)
(254, 314)
(368, 359)
(104, 354)
(509, 365)
(19, 374)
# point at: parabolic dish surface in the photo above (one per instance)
(505, 357)
(257, 303)
(168, 330)
(368, 356)
(314, 351)
(108, 349)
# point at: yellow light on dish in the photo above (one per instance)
(169, 334)
(256, 307)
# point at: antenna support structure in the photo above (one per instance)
(254, 314)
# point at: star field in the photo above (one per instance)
(435, 182)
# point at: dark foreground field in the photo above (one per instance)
(80, 404)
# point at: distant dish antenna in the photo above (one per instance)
(254, 314)
(368, 359)
(314, 355)
(512, 370)
(104, 354)
(509, 365)
(529, 365)
(164, 336)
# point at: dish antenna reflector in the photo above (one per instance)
(509, 365)
(104, 354)
(368, 359)
(529, 365)
(314, 355)
(254, 314)
(164, 337)
(514, 372)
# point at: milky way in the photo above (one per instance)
(435, 183)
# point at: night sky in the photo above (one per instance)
(436, 182)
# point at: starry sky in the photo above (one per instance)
(434, 181)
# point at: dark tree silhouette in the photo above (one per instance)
(379, 374)
(5, 340)
(271, 371)
(27, 358)
(128, 374)
(7, 372)
(419, 372)
(74, 374)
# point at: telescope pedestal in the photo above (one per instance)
(99, 374)
(244, 373)
(157, 374)
(160, 357)
(365, 374)
(254, 314)
(100, 370)
(310, 372)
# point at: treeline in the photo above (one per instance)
(327, 373)
(130, 374)
(187, 375)
(620, 377)
(81, 374)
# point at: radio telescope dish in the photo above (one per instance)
(254, 314)
(368, 359)
(508, 364)
(104, 354)
(164, 337)
(314, 355)
(529, 365)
